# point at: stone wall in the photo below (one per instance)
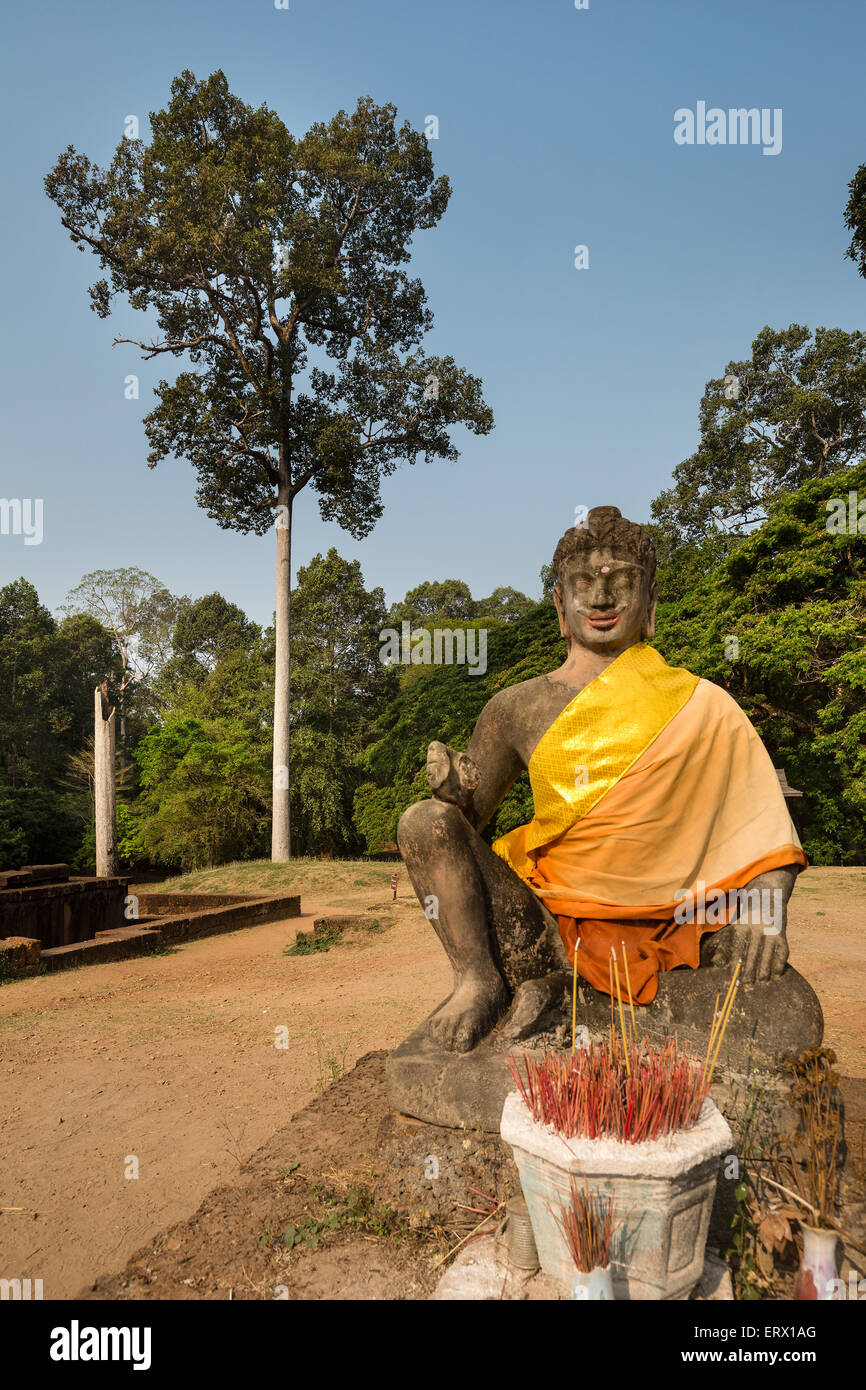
(41, 904)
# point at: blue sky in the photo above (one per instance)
(556, 129)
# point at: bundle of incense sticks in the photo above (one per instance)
(620, 1089)
(605, 1091)
(586, 1222)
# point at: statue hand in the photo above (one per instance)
(452, 776)
(757, 938)
(763, 956)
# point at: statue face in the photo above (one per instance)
(606, 603)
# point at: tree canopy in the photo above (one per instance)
(275, 264)
(795, 409)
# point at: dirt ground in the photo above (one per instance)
(168, 1064)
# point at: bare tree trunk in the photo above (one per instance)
(281, 842)
(104, 785)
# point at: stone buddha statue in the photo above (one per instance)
(660, 838)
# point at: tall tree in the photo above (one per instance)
(855, 219)
(435, 598)
(210, 627)
(47, 676)
(794, 410)
(504, 604)
(276, 264)
(335, 644)
(204, 768)
(27, 694)
(339, 687)
(140, 614)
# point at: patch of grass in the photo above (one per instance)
(10, 977)
(356, 1211)
(337, 880)
(233, 1146)
(327, 933)
(308, 943)
(331, 1060)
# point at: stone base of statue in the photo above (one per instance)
(771, 1022)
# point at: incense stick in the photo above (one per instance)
(610, 977)
(630, 998)
(712, 1032)
(574, 994)
(719, 1014)
(732, 990)
(621, 1018)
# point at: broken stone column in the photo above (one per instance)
(104, 785)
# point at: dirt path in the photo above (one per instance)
(171, 1060)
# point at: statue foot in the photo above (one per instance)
(532, 1000)
(472, 1010)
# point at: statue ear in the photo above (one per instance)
(557, 600)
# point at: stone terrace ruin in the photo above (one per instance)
(52, 920)
(44, 903)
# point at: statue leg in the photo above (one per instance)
(496, 933)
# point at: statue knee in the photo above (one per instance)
(423, 822)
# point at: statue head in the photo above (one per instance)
(604, 583)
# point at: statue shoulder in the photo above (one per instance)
(518, 696)
(719, 704)
(527, 705)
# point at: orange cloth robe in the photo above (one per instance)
(650, 786)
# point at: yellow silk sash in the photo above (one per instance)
(593, 743)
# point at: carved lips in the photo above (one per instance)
(603, 622)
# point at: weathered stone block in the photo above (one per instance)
(19, 955)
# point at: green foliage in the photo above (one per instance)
(276, 264)
(337, 678)
(793, 596)
(448, 602)
(310, 943)
(131, 852)
(35, 828)
(254, 247)
(13, 840)
(210, 628)
(794, 410)
(48, 672)
(855, 219)
(435, 599)
(139, 613)
(357, 1211)
(203, 792)
(338, 686)
(204, 771)
(504, 605)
